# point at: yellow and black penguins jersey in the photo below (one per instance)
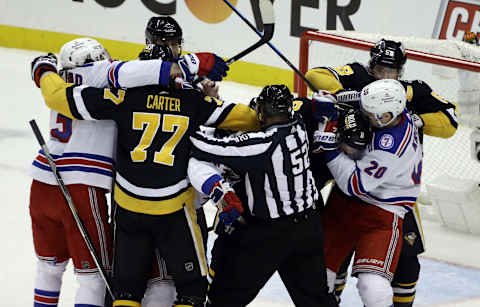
(437, 113)
(153, 146)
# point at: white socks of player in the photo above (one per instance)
(47, 283)
(91, 291)
(331, 276)
(160, 294)
(374, 290)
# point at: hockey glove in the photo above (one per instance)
(154, 52)
(325, 137)
(323, 106)
(212, 66)
(42, 64)
(224, 197)
(189, 65)
(354, 130)
(348, 99)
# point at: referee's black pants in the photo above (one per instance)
(244, 261)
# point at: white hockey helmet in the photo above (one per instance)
(383, 96)
(81, 51)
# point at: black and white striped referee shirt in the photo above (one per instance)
(274, 165)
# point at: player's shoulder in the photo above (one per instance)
(394, 140)
(302, 104)
(353, 75)
(416, 87)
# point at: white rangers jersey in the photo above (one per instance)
(388, 175)
(83, 150)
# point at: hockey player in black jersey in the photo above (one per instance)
(277, 209)
(152, 192)
(433, 115)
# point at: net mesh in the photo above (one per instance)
(442, 156)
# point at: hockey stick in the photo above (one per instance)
(264, 2)
(71, 205)
(268, 20)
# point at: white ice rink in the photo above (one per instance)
(450, 268)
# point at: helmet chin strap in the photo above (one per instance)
(379, 120)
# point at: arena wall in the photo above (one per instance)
(209, 25)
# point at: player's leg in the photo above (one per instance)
(179, 239)
(202, 223)
(92, 208)
(133, 256)
(161, 291)
(304, 271)
(405, 281)
(376, 255)
(340, 230)
(342, 276)
(408, 269)
(374, 290)
(243, 262)
(49, 242)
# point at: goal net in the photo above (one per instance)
(451, 68)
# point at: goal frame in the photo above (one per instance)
(330, 38)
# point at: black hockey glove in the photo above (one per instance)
(354, 130)
(42, 64)
(155, 52)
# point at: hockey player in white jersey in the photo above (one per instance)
(373, 193)
(83, 153)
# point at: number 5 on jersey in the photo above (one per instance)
(150, 123)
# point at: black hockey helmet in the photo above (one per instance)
(161, 29)
(274, 100)
(387, 53)
(153, 52)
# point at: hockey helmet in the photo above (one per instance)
(161, 29)
(274, 100)
(82, 51)
(383, 96)
(388, 53)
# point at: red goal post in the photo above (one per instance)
(350, 42)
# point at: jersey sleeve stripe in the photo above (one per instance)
(230, 151)
(219, 115)
(113, 75)
(452, 117)
(80, 106)
(71, 103)
(164, 78)
(406, 140)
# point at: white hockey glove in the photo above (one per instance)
(325, 137)
(42, 64)
(202, 64)
(189, 64)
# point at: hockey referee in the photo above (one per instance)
(283, 229)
